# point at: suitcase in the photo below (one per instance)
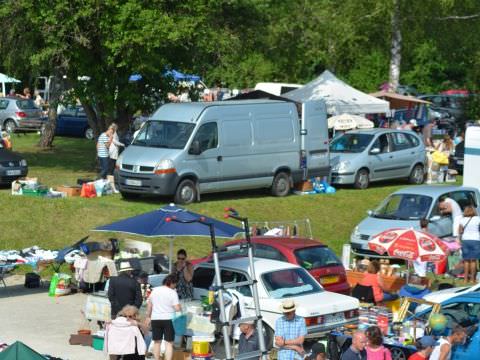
(32, 280)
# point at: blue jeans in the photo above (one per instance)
(104, 166)
(389, 297)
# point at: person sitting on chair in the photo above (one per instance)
(372, 278)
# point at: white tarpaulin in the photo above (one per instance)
(6, 79)
(338, 96)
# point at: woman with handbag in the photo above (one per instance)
(469, 237)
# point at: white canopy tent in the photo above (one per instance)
(5, 79)
(339, 97)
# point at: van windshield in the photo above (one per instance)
(164, 134)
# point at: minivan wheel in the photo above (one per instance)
(362, 179)
(281, 184)
(89, 134)
(10, 126)
(186, 192)
(417, 175)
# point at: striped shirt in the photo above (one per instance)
(288, 330)
(102, 149)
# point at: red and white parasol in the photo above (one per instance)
(409, 244)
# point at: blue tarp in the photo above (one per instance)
(154, 224)
(176, 75)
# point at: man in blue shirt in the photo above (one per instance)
(290, 331)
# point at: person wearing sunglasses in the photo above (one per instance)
(184, 271)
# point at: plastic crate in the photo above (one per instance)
(97, 342)
(36, 192)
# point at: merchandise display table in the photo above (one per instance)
(392, 283)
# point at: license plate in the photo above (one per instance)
(13, 172)
(334, 318)
(132, 182)
(326, 280)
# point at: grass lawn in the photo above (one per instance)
(54, 223)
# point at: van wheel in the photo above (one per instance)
(362, 179)
(281, 184)
(417, 175)
(186, 192)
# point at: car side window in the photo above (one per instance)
(207, 136)
(69, 111)
(229, 277)
(268, 252)
(413, 139)
(382, 143)
(400, 141)
(464, 198)
(203, 278)
(3, 104)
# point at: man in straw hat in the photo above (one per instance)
(248, 341)
(124, 289)
(290, 331)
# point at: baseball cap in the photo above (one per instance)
(428, 341)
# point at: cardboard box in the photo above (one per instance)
(304, 186)
(70, 190)
(181, 355)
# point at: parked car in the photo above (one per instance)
(20, 114)
(12, 166)
(452, 104)
(446, 294)
(72, 121)
(359, 157)
(461, 310)
(320, 261)
(405, 208)
(323, 310)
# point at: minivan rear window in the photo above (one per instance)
(164, 134)
(26, 104)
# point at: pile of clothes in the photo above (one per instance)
(32, 255)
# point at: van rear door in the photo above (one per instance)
(314, 130)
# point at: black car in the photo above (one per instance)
(12, 166)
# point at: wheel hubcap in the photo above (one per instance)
(187, 194)
(418, 175)
(282, 185)
(363, 180)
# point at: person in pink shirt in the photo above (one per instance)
(375, 349)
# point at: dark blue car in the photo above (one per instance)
(72, 121)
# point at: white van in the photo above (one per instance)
(187, 149)
(471, 166)
(276, 88)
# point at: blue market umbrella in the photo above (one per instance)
(154, 224)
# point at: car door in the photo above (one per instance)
(380, 158)
(65, 121)
(202, 281)
(207, 164)
(404, 154)
(79, 122)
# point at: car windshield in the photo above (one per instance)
(351, 143)
(164, 134)
(316, 257)
(289, 282)
(27, 104)
(404, 207)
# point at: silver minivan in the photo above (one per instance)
(359, 157)
(186, 149)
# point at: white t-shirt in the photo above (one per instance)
(456, 212)
(470, 228)
(163, 300)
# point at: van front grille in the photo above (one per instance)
(147, 168)
(127, 167)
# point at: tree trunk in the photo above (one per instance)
(48, 134)
(396, 48)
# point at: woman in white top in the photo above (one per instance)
(114, 147)
(161, 307)
(469, 236)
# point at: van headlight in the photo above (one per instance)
(341, 166)
(355, 234)
(23, 162)
(165, 167)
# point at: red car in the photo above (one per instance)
(317, 258)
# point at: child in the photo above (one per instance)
(7, 143)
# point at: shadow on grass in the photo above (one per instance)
(21, 290)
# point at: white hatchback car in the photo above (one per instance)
(323, 310)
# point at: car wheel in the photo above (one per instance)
(186, 192)
(417, 175)
(281, 184)
(10, 126)
(362, 179)
(89, 134)
(129, 196)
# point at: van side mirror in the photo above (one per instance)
(195, 148)
(375, 151)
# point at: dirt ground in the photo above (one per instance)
(41, 322)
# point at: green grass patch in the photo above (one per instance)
(55, 223)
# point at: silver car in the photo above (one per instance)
(361, 156)
(20, 114)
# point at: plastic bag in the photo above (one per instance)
(63, 285)
(88, 191)
(53, 285)
(180, 324)
(440, 158)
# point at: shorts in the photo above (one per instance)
(163, 330)
(470, 249)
